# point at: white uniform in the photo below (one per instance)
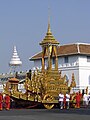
(67, 97)
(85, 99)
(61, 98)
(67, 100)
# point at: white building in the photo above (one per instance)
(72, 58)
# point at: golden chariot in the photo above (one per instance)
(42, 86)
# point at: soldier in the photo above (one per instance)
(1, 101)
(7, 102)
(67, 100)
(61, 98)
(64, 101)
(85, 100)
(78, 99)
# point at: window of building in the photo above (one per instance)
(88, 58)
(66, 59)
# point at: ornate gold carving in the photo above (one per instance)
(43, 86)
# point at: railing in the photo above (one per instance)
(68, 64)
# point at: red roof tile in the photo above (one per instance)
(69, 49)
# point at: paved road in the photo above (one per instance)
(44, 114)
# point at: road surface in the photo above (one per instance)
(44, 114)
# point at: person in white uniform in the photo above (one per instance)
(85, 100)
(67, 100)
(61, 98)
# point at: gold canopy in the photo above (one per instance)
(49, 38)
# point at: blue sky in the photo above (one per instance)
(24, 23)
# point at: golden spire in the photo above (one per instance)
(49, 38)
(49, 29)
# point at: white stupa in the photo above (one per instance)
(15, 60)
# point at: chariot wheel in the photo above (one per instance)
(48, 99)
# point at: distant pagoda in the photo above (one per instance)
(15, 60)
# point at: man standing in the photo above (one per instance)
(61, 98)
(7, 102)
(64, 101)
(85, 100)
(1, 101)
(78, 100)
(67, 100)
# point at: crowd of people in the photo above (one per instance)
(76, 100)
(4, 101)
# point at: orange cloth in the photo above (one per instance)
(7, 102)
(78, 99)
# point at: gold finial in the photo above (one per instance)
(48, 30)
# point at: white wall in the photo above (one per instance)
(72, 60)
(83, 61)
(84, 77)
(37, 63)
(84, 72)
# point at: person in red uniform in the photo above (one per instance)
(78, 100)
(64, 101)
(80, 95)
(7, 102)
(1, 101)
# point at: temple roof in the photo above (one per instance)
(14, 80)
(49, 38)
(69, 49)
